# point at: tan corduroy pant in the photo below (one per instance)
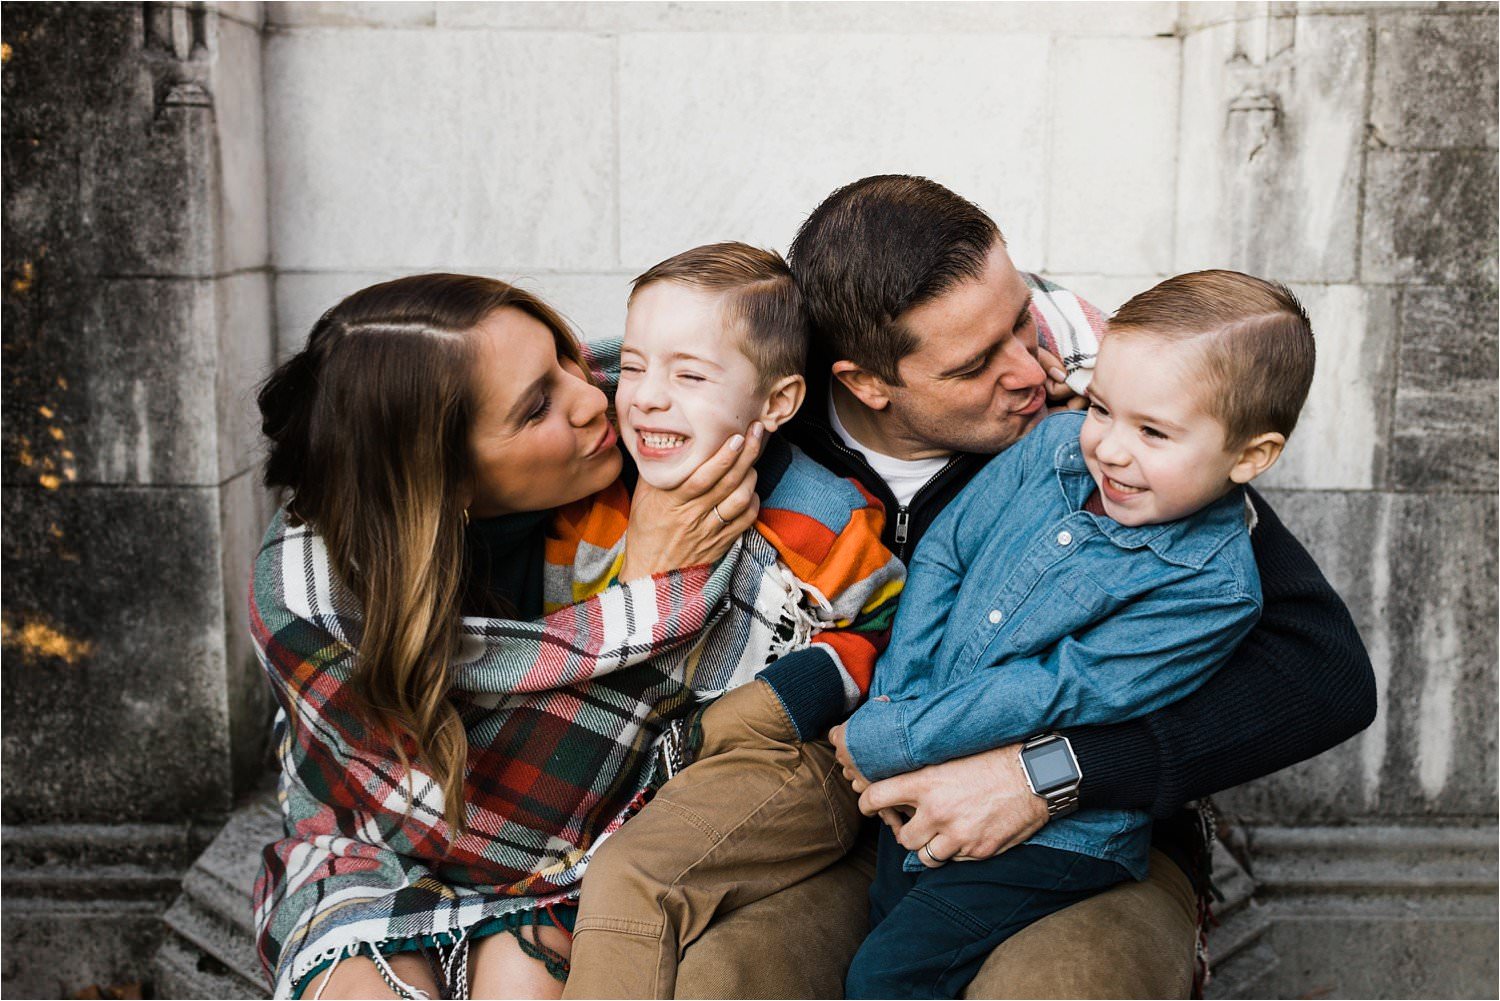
(722, 887)
(756, 812)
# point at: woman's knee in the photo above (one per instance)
(359, 977)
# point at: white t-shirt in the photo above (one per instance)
(904, 476)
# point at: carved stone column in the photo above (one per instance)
(137, 307)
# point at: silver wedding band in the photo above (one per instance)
(931, 857)
(719, 516)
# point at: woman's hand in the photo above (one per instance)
(697, 521)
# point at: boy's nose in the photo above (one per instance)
(1111, 451)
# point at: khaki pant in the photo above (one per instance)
(1133, 941)
(756, 812)
(697, 897)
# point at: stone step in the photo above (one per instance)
(209, 950)
(1246, 976)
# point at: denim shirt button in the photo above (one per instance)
(995, 616)
(1064, 537)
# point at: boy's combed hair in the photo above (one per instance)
(1255, 339)
(759, 298)
(877, 248)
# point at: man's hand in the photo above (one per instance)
(965, 809)
(1060, 395)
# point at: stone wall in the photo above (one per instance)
(137, 315)
(181, 180)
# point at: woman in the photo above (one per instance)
(421, 438)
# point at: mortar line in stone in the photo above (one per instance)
(215, 276)
(1392, 392)
(497, 268)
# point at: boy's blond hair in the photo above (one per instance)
(759, 299)
(1255, 343)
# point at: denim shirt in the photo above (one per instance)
(1024, 613)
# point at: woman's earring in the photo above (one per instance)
(466, 517)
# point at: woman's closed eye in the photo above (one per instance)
(539, 411)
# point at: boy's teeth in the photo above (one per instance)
(662, 440)
(1122, 487)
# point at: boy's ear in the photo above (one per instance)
(1258, 455)
(783, 401)
(869, 388)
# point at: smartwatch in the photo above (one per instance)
(1052, 772)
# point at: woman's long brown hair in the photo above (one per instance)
(369, 439)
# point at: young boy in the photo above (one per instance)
(716, 338)
(1097, 570)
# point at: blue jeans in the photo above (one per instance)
(931, 931)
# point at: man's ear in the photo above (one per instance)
(1259, 454)
(869, 388)
(783, 401)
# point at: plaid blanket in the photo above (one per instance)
(562, 715)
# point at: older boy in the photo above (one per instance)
(715, 339)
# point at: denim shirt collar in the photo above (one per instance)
(1188, 542)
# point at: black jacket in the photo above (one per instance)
(1300, 683)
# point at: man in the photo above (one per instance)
(926, 363)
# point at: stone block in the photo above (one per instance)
(1129, 20)
(1270, 152)
(1341, 438)
(61, 949)
(740, 136)
(1430, 217)
(114, 687)
(246, 354)
(1393, 955)
(1444, 435)
(477, 159)
(240, 130)
(1418, 574)
(1114, 155)
(1435, 80)
(112, 381)
(247, 12)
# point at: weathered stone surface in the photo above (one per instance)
(1114, 155)
(1418, 574)
(1390, 956)
(1271, 151)
(240, 132)
(245, 509)
(1340, 441)
(246, 354)
(1450, 62)
(111, 381)
(60, 949)
(520, 177)
(114, 690)
(1130, 20)
(1444, 434)
(1430, 217)
(739, 136)
(346, 15)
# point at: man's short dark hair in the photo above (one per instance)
(760, 300)
(877, 248)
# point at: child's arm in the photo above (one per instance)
(1152, 652)
(934, 580)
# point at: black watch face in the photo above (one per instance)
(1051, 767)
